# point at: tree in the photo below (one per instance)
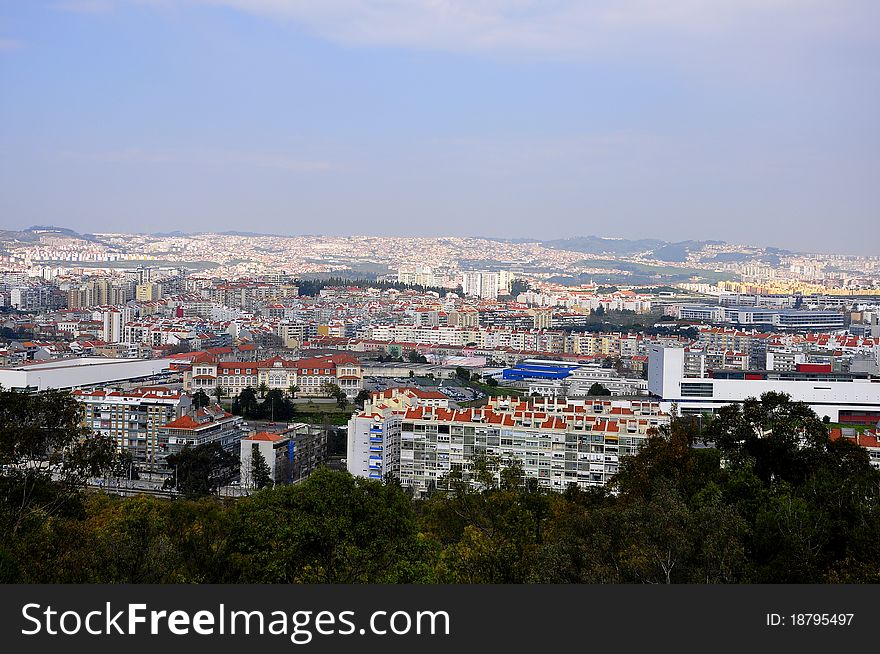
(263, 388)
(599, 311)
(784, 439)
(261, 476)
(518, 286)
(124, 467)
(462, 374)
(181, 348)
(218, 392)
(200, 399)
(293, 390)
(491, 381)
(598, 389)
(362, 396)
(46, 456)
(247, 403)
(332, 390)
(277, 407)
(202, 470)
(331, 528)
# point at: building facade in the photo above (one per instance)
(559, 442)
(835, 395)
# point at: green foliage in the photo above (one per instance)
(332, 390)
(200, 399)
(333, 528)
(312, 287)
(275, 405)
(201, 470)
(46, 456)
(774, 501)
(261, 475)
(598, 389)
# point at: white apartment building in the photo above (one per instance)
(559, 442)
(113, 320)
(582, 378)
(487, 285)
(418, 276)
(275, 450)
(134, 418)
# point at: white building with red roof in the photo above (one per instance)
(558, 441)
(134, 419)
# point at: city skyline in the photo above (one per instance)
(744, 122)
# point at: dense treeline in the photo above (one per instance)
(311, 287)
(772, 500)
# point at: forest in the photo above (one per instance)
(762, 496)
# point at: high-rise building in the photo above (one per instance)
(133, 419)
(558, 441)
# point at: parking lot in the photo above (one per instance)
(450, 388)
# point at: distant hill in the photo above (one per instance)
(655, 248)
(602, 245)
(33, 234)
(177, 232)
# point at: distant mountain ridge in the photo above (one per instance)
(32, 234)
(654, 248)
(658, 249)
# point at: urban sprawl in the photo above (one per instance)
(417, 357)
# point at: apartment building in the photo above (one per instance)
(292, 454)
(558, 441)
(783, 319)
(37, 297)
(201, 427)
(134, 418)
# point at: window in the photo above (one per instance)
(696, 389)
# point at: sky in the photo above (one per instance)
(750, 121)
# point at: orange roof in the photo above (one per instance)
(183, 422)
(265, 436)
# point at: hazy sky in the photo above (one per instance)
(752, 121)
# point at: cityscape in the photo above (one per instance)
(488, 293)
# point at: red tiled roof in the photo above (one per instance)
(183, 422)
(265, 436)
